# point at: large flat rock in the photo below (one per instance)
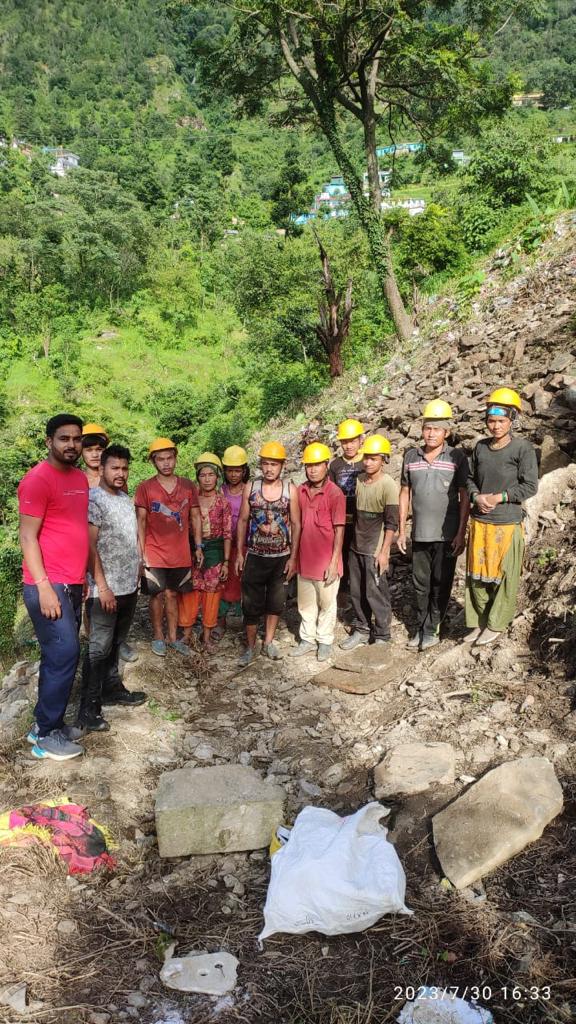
(496, 818)
(365, 670)
(218, 809)
(413, 767)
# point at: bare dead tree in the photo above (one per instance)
(335, 315)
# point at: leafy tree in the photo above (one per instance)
(385, 64)
(514, 157)
(289, 195)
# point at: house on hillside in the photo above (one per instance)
(527, 99)
(62, 160)
(399, 149)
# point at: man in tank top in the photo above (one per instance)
(267, 539)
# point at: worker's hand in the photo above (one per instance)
(331, 574)
(382, 561)
(49, 601)
(240, 560)
(486, 502)
(401, 542)
(107, 600)
(290, 569)
(224, 571)
(459, 543)
(199, 556)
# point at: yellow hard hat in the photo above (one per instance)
(437, 409)
(94, 428)
(315, 453)
(273, 450)
(235, 456)
(161, 444)
(349, 429)
(505, 396)
(208, 459)
(376, 444)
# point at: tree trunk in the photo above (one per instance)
(335, 362)
(371, 222)
(369, 124)
(334, 325)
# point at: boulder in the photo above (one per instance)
(215, 810)
(496, 818)
(413, 767)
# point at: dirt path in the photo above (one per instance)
(90, 949)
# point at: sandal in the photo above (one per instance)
(218, 632)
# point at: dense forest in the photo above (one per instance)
(163, 285)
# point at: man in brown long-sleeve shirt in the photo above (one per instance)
(375, 524)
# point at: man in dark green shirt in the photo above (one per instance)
(504, 473)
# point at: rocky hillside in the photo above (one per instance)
(519, 330)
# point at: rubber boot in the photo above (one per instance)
(90, 710)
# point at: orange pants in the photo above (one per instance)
(190, 604)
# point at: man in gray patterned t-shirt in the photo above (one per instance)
(113, 589)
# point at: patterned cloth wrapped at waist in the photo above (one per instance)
(488, 546)
(213, 552)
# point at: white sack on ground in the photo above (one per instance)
(334, 875)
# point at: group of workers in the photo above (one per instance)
(229, 543)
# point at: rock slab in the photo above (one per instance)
(220, 809)
(496, 818)
(413, 767)
(364, 670)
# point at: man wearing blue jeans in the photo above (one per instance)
(53, 504)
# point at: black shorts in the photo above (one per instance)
(263, 587)
(156, 581)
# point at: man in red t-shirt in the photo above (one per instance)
(323, 516)
(53, 503)
(168, 511)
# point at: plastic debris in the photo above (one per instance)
(214, 974)
(14, 996)
(437, 1006)
(334, 875)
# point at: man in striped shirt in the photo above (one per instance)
(434, 478)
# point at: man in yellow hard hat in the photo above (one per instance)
(344, 471)
(168, 511)
(323, 516)
(434, 479)
(268, 536)
(504, 473)
(94, 441)
(375, 525)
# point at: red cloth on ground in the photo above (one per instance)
(68, 828)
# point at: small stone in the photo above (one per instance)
(204, 752)
(98, 1017)
(66, 927)
(137, 999)
(309, 788)
(528, 702)
(413, 767)
(333, 775)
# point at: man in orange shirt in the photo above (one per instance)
(167, 510)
